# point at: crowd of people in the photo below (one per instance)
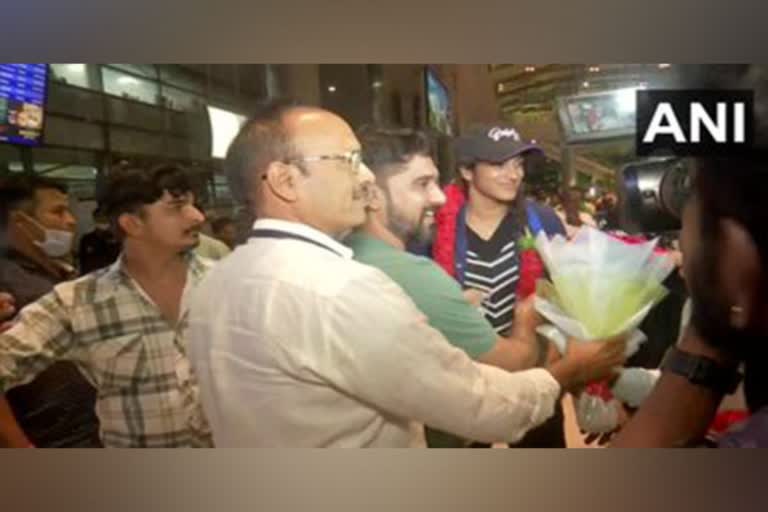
(322, 329)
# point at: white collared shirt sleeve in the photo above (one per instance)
(377, 347)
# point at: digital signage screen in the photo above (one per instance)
(23, 89)
(438, 104)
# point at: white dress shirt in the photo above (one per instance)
(296, 344)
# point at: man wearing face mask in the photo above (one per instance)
(37, 230)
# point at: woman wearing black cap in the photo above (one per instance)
(485, 232)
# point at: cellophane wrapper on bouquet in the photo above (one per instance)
(599, 287)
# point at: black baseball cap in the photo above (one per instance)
(493, 143)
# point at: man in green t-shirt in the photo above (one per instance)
(401, 211)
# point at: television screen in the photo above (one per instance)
(599, 116)
(438, 104)
(23, 90)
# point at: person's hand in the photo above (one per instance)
(553, 354)
(475, 296)
(526, 317)
(596, 360)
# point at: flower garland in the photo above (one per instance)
(531, 266)
(444, 248)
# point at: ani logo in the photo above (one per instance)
(694, 122)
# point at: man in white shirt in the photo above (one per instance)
(296, 344)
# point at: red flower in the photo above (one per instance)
(531, 267)
(727, 419)
(599, 389)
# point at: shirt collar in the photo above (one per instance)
(110, 278)
(306, 231)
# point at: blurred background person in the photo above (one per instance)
(572, 211)
(209, 247)
(225, 230)
(99, 248)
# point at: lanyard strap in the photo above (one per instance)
(273, 233)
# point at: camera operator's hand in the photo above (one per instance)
(587, 361)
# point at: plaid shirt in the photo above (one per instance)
(108, 327)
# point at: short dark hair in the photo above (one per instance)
(220, 223)
(128, 190)
(18, 193)
(261, 140)
(387, 148)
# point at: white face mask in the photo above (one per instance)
(57, 243)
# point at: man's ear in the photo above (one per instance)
(131, 224)
(282, 180)
(376, 198)
(740, 274)
(23, 223)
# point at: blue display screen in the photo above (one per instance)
(22, 103)
(438, 105)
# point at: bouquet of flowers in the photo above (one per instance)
(600, 287)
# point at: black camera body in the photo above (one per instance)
(653, 195)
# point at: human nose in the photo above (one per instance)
(437, 197)
(364, 175)
(69, 220)
(196, 215)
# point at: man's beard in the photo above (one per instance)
(406, 232)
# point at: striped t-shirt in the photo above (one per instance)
(492, 266)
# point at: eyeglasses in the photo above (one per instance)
(353, 158)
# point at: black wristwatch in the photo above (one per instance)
(702, 371)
